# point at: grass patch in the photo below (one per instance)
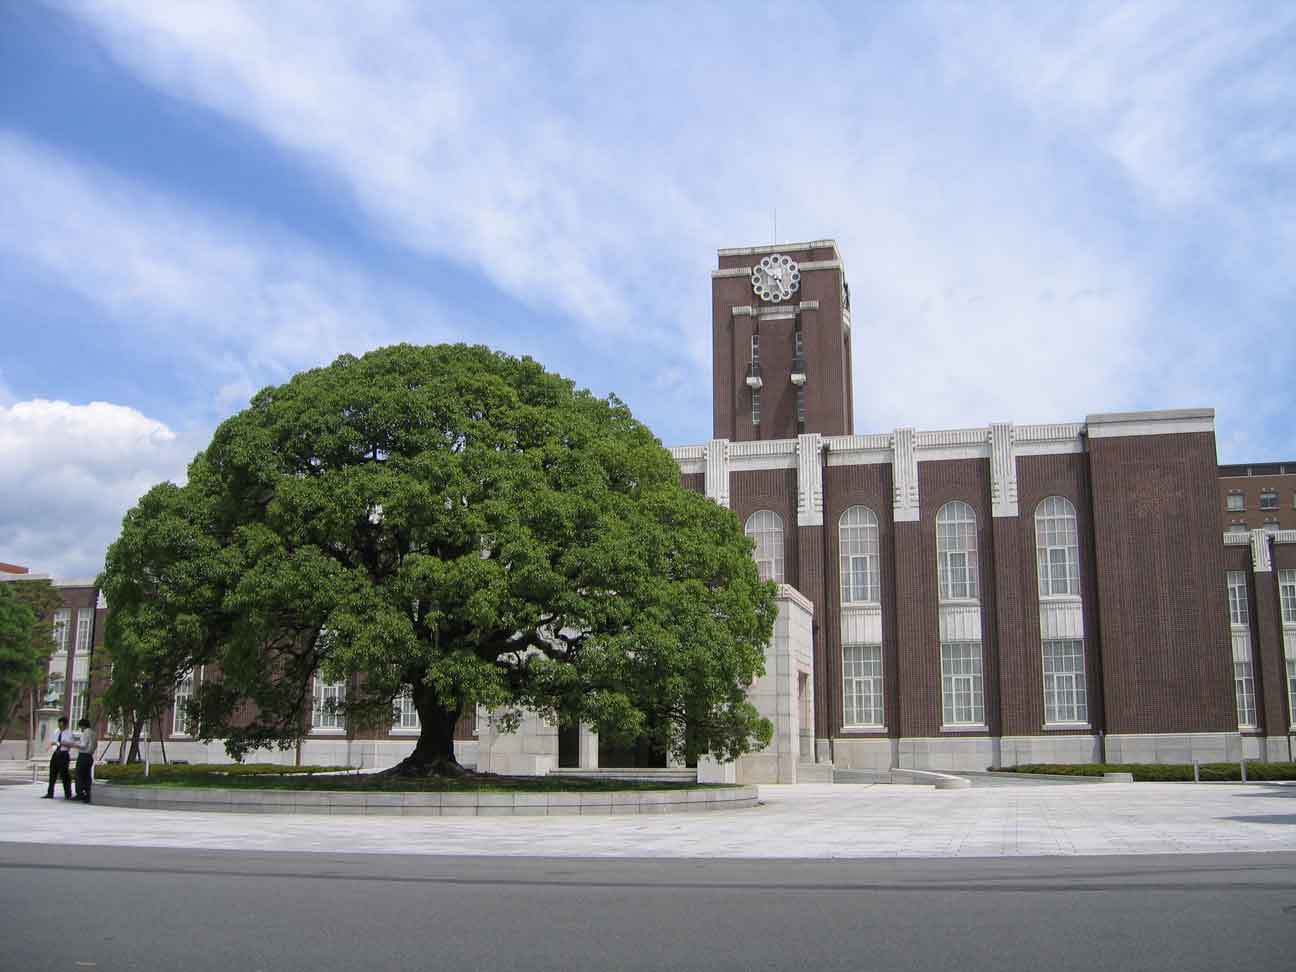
(1164, 773)
(268, 776)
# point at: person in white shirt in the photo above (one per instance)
(62, 745)
(86, 743)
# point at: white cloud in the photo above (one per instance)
(592, 159)
(70, 472)
(248, 302)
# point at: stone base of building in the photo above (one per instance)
(877, 755)
(1069, 748)
(1175, 747)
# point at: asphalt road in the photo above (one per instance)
(131, 908)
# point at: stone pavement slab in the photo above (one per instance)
(805, 821)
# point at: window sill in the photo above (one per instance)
(181, 735)
(965, 727)
(863, 730)
(405, 732)
(1071, 726)
(316, 731)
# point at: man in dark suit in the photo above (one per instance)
(87, 742)
(62, 744)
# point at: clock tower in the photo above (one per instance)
(781, 342)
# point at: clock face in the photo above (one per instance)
(777, 277)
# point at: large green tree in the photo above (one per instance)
(455, 523)
(26, 642)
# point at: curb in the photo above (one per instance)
(447, 804)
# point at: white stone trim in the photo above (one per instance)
(732, 272)
(717, 471)
(1284, 536)
(1061, 619)
(1261, 558)
(905, 476)
(961, 621)
(1168, 422)
(762, 454)
(861, 624)
(858, 450)
(1234, 539)
(1184, 747)
(788, 592)
(1003, 470)
(819, 265)
(776, 248)
(809, 480)
(806, 305)
(691, 459)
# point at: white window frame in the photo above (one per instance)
(1244, 693)
(1057, 548)
(85, 625)
(325, 718)
(62, 629)
(1272, 496)
(962, 685)
(184, 690)
(1287, 595)
(1235, 503)
(863, 701)
(765, 527)
(80, 699)
(858, 543)
(1066, 683)
(1239, 612)
(405, 718)
(956, 552)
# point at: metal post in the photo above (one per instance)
(1242, 763)
(1196, 771)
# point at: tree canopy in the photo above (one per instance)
(455, 523)
(26, 639)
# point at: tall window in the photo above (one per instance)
(183, 694)
(1057, 547)
(862, 684)
(1237, 597)
(1287, 595)
(962, 694)
(80, 698)
(1065, 696)
(1238, 528)
(1244, 688)
(405, 717)
(956, 553)
(755, 349)
(857, 533)
(62, 621)
(1235, 503)
(756, 406)
(85, 619)
(1269, 500)
(766, 529)
(326, 708)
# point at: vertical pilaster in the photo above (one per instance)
(717, 471)
(1271, 664)
(810, 579)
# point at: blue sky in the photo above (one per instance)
(1045, 210)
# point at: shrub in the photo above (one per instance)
(1164, 773)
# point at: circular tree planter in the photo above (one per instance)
(424, 804)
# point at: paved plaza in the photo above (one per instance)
(806, 821)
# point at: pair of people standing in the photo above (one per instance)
(64, 742)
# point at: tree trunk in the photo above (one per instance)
(161, 738)
(434, 753)
(136, 729)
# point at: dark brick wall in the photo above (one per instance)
(1039, 477)
(1167, 665)
(844, 487)
(694, 481)
(770, 489)
(919, 663)
(1250, 487)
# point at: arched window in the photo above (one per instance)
(1057, 547)
(956, 552)
(766, 529)
(857, 533)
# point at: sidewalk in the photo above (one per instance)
(807, 821)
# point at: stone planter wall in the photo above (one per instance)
(426, 804)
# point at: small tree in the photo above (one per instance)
(454, 523)
(24, 659)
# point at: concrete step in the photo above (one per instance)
(814, 772)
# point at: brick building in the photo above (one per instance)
(1099, 590)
